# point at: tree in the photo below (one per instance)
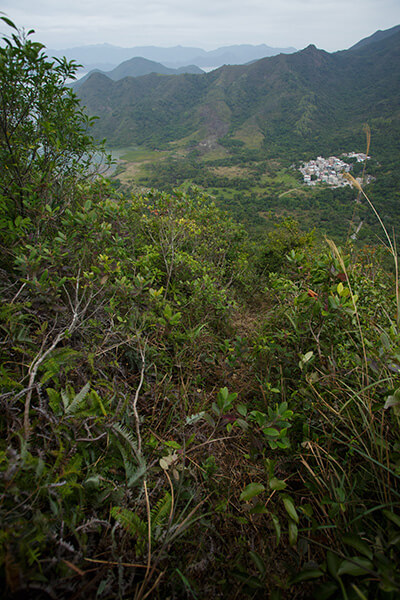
(45, 147)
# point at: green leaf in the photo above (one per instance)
(173, 444)
(385, 340)
(290, 509)
(258, 509)
(92, 482)
(356, 566)
(217, 409)
(307, 574)
(208, 418)
(333, 302)
(258, 561)
(242, 424)
(248, 580)
(333, 562)
(356, 542)
(277, 484)
(277, 527)
(223, 393)
(269, 466)
(392, 517)
(251, 490)
(293, 533)
(271, 432)
(242, 410)
(393, 402)
(325, 591)
(9, 22)
(40, 467)
(308, 356)
(306, 509)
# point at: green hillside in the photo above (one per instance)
(240, 133)
(309, 101)
(376, 37)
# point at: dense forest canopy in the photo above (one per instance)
(185, 411)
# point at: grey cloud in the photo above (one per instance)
(330, 24)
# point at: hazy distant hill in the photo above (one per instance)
(142, 66)
(238, 55)
(301, 101)
(136, 67)
(106, 56)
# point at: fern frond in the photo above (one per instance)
(131, 476)
(77, 401)
(132, 472)
(161, 510)
(126, 435)
(129, 520)
(65, 399)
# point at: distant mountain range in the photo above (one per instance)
(305, 100)
(106, 56)
(136, 67)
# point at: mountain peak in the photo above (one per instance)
(312, 50)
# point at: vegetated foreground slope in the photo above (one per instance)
(183, 412)
(302, 101)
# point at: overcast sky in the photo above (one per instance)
(329, 24)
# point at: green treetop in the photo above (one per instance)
(44, 143)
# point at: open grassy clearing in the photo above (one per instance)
(231, 172)
(137, 154)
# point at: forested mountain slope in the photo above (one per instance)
(304, 100)
(376, 37)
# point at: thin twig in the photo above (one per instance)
(139, 595)
(116, 564)
(135, 401)
(153, 587)
(148, 526)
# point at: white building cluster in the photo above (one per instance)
(329, 170)
(360, 156)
